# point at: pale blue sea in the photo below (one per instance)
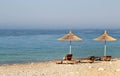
(25, 46)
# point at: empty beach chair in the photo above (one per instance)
(89, 59)
(106, 58)
(68, 57)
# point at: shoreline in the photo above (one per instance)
(48, 61)
(4, 64)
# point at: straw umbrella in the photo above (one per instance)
(70, 37)
(105, 37)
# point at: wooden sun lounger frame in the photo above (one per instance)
(67, 60)
(106, 58)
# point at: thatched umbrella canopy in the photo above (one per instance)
(105, 37)
(70, 37)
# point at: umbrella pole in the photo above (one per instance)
(70, 46)
(105, 49)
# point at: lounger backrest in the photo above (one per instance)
(91, 58)
(106, 58)
(68, 57)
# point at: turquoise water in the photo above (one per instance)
(24, 46)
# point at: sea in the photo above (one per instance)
(35, 45)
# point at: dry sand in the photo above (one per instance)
(101, 68)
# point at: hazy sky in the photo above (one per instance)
(55, 14)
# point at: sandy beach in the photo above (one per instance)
(98, 68)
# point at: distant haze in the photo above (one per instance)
(59, 14)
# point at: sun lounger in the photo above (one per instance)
(68, 57)
(86, 61)
(67, 60)
(89, 59)
(106, 58)
(103, 58)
